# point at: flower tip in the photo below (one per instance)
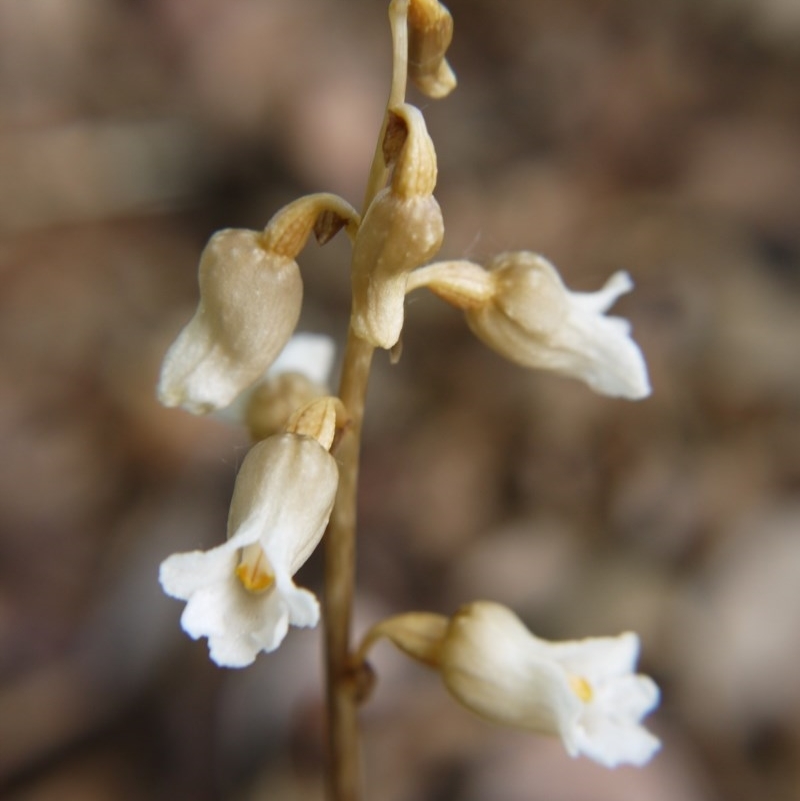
(194, 398)
(167, 396)
(636, 748)
(439, 84)
(644, 390)
(303, 608)
(165, 577)
(225, 655)
(635, 384)
(619, 283)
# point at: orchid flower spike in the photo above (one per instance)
(250, 297)
(240, 595)
(584, 692)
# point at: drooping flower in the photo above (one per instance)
(533, 319)
(240, 595)
(520, 308)
(250, 297)
(583, 691)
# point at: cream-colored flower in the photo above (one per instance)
(520, 307)
(536, 321)
(240, 595)
(583, 691)
(250, 297)
(402, 229)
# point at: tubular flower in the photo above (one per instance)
(250, 297)
(534, 320)
(520, 308)
(240, 595)
(583, 691)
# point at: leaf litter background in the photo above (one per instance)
(658, 137)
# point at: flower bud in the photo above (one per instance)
(273, 401)
(430, 31)
(402, 228)
(250, 297)
(534, 320)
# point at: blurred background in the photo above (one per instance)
(658, 137)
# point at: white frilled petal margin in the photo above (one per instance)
(583, 691)
(281, 503)
(238, 623)
(608, 730)
(607, 726)
(598, 349)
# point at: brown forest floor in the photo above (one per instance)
(659, 137)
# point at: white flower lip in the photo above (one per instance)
(534, 320)
(583, 691)
(281, 502)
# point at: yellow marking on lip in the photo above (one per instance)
(252, 571)
(581, 688)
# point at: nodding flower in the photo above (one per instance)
(583, 691)
(519, 307)
(250, 297)
(240, 595)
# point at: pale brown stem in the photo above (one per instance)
(398, 19)
(344, 772)
(344, 769)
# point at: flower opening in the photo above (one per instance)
(240, 595)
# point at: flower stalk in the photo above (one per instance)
(344, 772)
(344, 763)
